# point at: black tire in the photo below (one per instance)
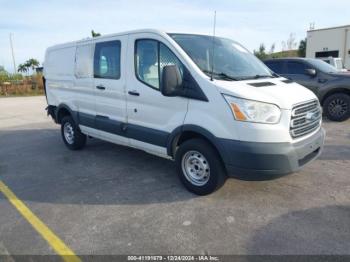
(337, 107)
(78, 139)
(217, 173)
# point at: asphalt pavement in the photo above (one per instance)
(109, 199)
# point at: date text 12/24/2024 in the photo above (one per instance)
(174, 258)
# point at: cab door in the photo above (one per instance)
(151, 116)
(109, 83)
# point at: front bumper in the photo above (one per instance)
(262, 161)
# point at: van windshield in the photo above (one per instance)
(231, 60)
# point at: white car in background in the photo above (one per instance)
(336, 62)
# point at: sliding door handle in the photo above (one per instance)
(101, 87)
(134, 93)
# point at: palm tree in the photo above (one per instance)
(23, 68)
(32, 63)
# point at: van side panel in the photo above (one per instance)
(84, 90)
(59, 75)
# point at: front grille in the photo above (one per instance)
(306, 118)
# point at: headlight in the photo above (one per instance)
(253, 111)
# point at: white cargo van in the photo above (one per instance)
(216, 114)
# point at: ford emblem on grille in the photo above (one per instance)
(305, 119)
(311, 116)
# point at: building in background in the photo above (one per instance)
(329, 42)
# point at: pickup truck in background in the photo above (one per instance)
(330, 86)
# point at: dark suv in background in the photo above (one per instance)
(330, 86)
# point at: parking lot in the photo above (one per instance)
(108, 199)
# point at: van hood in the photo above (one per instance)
(278, 91)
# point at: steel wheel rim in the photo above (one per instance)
(196, 168)
(68, 133)
(338, 107)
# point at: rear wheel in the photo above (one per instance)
(199, 167)
(71, 134)
(337, 107)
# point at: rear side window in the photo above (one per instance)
(151, 57)
(295, 68)
(107, 60)
(276, 67)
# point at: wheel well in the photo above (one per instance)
(335, 91)
(61, 114)
(187, 135)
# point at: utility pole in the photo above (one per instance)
(13, 55)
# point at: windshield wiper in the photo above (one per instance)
(221, 75)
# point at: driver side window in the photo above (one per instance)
(151, 57)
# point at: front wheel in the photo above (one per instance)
(337, 107)
(71, 134)
(199, 167)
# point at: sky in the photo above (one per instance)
(36, 25)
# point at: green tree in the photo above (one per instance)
(94, 34)
(302, 48)
(22, 68)
(32, 63)
(261, 53)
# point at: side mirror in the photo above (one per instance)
(310, 72)
(171, 81)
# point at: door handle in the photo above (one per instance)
(134, 93)
(101, 87)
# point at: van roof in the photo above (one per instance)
(138, 31)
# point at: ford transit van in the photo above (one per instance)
(204, 102)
